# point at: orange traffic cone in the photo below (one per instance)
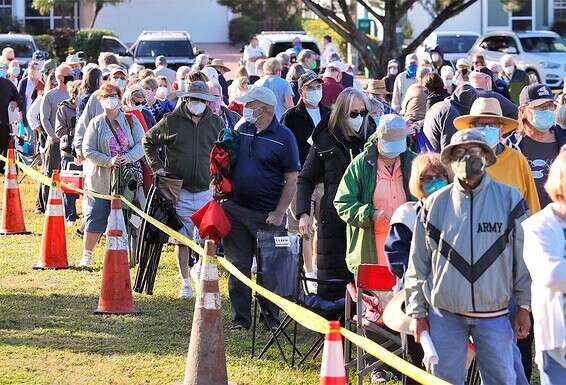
(53, 253)
(116, 291)
(206, 361)
(12, 213)
(332, 370)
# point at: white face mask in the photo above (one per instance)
(509, 70)
(249, 115)
(196, 107)
(161, 93)
(356, 123)
(313, 97)
(119, 82)
(448, 82)
(110, 103)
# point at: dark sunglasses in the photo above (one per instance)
(355, 114)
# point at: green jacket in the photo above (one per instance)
(354, 205)
(519, 80)
(187, 146)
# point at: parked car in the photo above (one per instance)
(454, 45)
(117, 47)
(542, 54)
(23, 45)
(176, 46)
(274, 42)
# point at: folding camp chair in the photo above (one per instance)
(282, 273)
(370, 293)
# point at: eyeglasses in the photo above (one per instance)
(355, 114)
(459, 153)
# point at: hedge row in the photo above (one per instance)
(318, 29)
(64, 41)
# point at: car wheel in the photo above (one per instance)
(533, 76)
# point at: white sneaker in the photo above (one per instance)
(186, 292)
(86, 260)
(254, 266)
(312, 286)
(195, 271)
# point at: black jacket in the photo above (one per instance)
(22, 91)
(389, 84)
(298, 120)
(347, 80)
(434, 97)
(326, 163)
(508, 108)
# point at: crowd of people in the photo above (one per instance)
(452, 176)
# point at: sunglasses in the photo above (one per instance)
(355, 114)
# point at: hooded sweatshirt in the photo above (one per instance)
(439, 120)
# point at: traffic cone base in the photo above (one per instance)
(12, 213)
(53, 252)
(116, 291)
(332, 371)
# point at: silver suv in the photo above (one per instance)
(176, 46)
(542, 54)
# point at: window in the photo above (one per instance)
(504, 44)
(61, 16)
(522, 18)
(543, 44)
(21, 48)
(282, 47)
(5, 8)
(112, 45)
(456, 44)
(168, 48)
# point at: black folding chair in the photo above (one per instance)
(282, 273)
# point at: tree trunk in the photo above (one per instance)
(97, 8)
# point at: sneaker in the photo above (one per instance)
(86, 260)
(254, 266)
(195, 272)
(312, 286)
(186, 292)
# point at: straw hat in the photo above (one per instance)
(394, 315)
(376, 87)
(219, 64)
(485, 108)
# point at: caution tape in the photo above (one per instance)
(303, 316)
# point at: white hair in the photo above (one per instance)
(445, 71)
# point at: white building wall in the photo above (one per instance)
(468, 21)
(205, 20)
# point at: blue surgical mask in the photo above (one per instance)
(76, 73)
(181, 85)
(2, 73)
(491, 135)
(412, 70)
(543, 120)
(434, 185)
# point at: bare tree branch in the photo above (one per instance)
(376, 15)
(403, 8)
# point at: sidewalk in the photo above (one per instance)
(230, 54)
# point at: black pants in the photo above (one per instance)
(4, 143)
(239, 248)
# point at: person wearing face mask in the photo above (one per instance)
(371, 189)
(49, 105)
(27, 86)
(538, 137)
(239, 87)
(218, 107)
(119, 77)
(462, 71)
(8, 55)
(307, 59)
(14, 72)
(9, 99)
(428, 175)
(337, 139)
(511, 168)
(516, 78)
(157, 107)
(404, 80)
(447, 75)
(468, 236)
(195, 129)
(264, 181)
(389, 79)
(75, 62)
(280, 87)
(482, 81)
(560, 114)
(112, 142)
(437, 59)
(413, 108)
(377, 89)
(302, 120)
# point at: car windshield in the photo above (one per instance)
(167, 48)
(456, 44)
(282, 47)
(543, 44)
(21, 48)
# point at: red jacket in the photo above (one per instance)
(330, 91)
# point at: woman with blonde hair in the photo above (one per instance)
(239, 87)
(545, 256)
(337, 139)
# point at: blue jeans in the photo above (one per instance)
(493, 340)
(551, 373)
(69, 200)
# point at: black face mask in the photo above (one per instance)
(68, 78)
(464, 71)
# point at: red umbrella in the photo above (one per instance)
(211, 221)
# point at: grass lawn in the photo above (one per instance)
(48, 334)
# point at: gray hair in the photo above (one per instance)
(131, 92)
(421, 72)
(283, 58)
(295, 72)
(160, 60)
(305, 54)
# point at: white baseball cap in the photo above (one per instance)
(261, 94)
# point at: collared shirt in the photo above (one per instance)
(264, 158)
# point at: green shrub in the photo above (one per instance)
(89, 41)
(241, 29)
(45, 43)
(318, 29)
